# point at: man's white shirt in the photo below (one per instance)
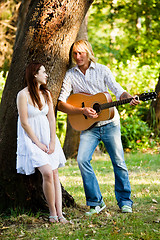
(98, 78)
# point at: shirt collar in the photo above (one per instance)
(92, 65)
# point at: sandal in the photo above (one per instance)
(62, 220)
(55, 219)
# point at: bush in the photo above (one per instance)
(135, 133)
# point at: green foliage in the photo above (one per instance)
(135, 133)
(135, 78)
(122, 29)
(124, 35)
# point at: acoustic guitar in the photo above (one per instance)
(101, 103)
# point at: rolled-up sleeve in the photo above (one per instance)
(66, 88)
(114, 86)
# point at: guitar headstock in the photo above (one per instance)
(147, 96)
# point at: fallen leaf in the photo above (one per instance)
(128, 234)
(157, 220)
(46, 225)
(4, 228)
(154, 201)
(22, 234)
(91, 226)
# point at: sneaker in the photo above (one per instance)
(96, 210)
(126, 209)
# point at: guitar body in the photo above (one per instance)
(102, 103)
(79, 121)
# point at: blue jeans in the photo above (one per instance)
(111, 136)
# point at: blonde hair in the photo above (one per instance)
(85, 45)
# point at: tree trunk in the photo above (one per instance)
(154, 114)
(50, 29)
(23, 10)
(72, 137)
(71, 142)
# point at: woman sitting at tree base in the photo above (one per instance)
(37, 144)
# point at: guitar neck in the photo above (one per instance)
(115, 103)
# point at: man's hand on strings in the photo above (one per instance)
(90, 112)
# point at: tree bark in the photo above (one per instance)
(50, 29)
(71, 142)
(23, 10)
(154, 114)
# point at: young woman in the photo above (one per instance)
(37, 143)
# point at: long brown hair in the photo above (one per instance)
(31, 70)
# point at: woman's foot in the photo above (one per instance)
(53, 219)
(63, 220)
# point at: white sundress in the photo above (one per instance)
(29, 155)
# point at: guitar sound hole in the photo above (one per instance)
(97, 107)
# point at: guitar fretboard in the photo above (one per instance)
(115, 103)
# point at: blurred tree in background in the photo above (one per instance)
(8, 27)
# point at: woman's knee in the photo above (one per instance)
(48, 176)
(47, 173)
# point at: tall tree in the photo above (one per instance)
(49, 30)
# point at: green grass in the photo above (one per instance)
(142, 224)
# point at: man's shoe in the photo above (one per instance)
(96, 210)
(126, 209)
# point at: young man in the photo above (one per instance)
(90, 77)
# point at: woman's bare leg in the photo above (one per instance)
(48, 189)
(58, 196)
(58, 193)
